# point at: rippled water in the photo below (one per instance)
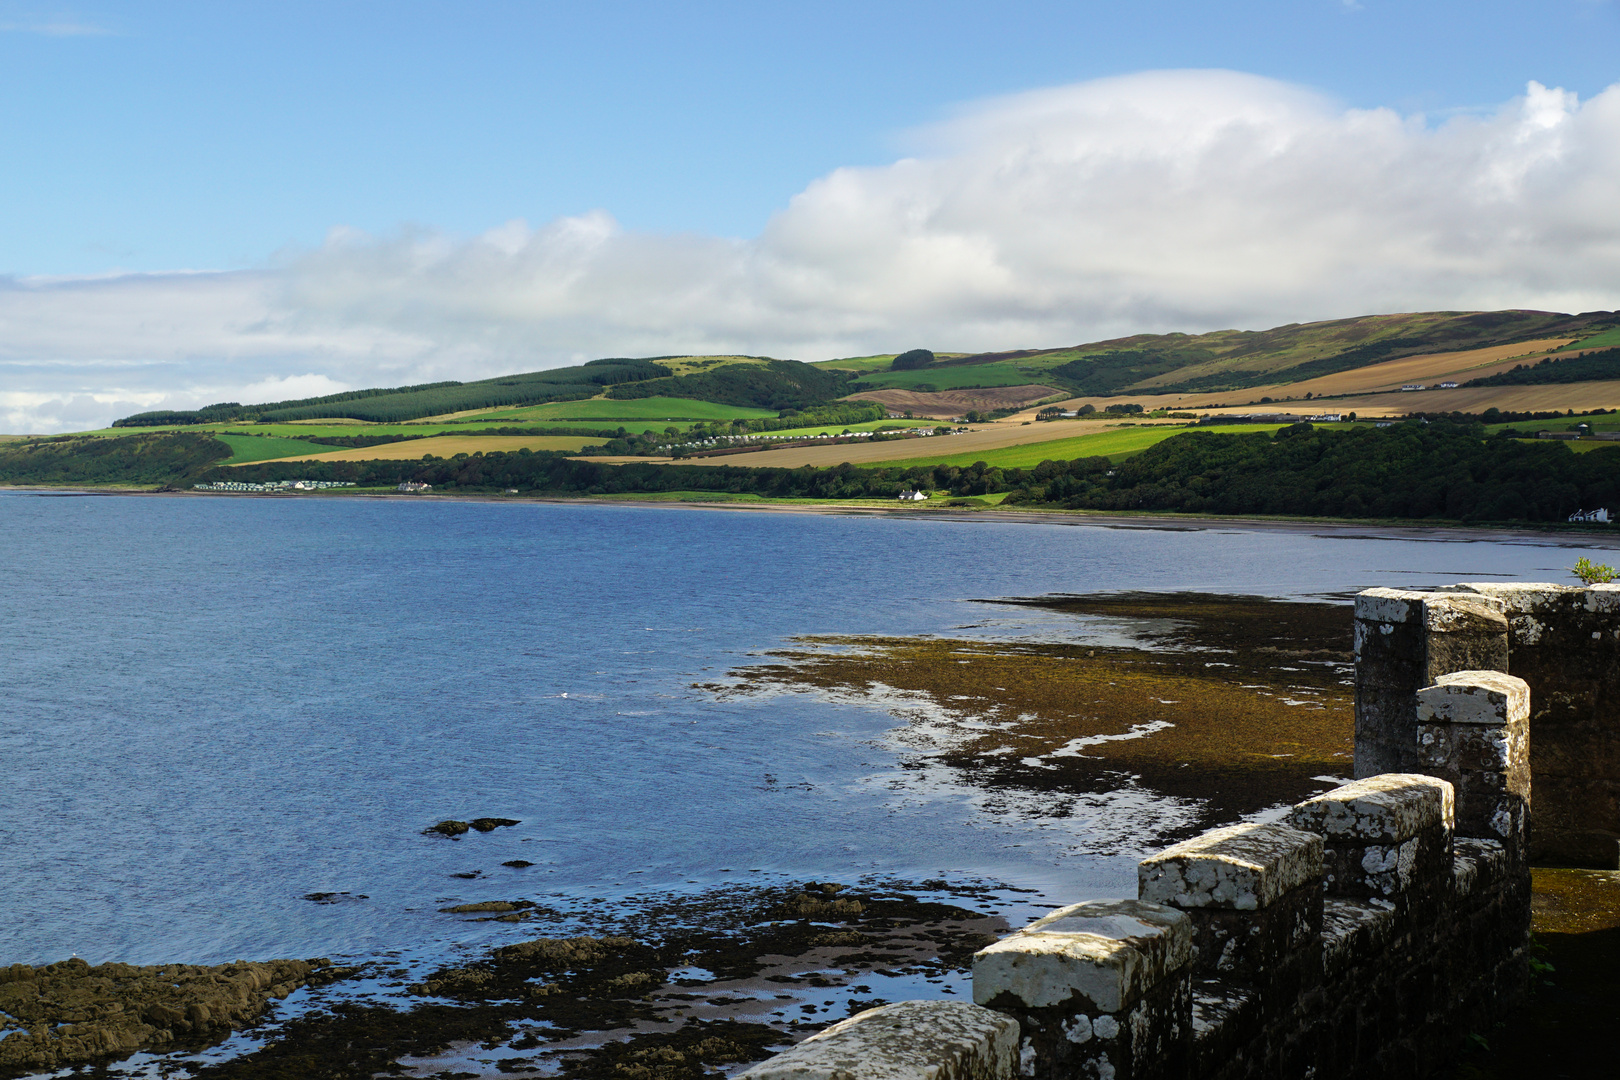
(215, 707)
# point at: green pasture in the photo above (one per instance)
(1610, 422)
(605, 409)
(1116, 445)
(246, 448)
(879, 362)
(1608, 339)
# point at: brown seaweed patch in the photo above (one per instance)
(1069, 719)
(71, 1012)
(1258, 634)
(612, 1006)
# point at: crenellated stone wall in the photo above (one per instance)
(1563, 641)
(1364, 935)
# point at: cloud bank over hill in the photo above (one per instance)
(1179, 200)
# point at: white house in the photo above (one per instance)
(913, 496)
(1600, 516)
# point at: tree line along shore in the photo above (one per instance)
(1437, 471)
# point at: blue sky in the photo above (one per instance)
(161, 136)
(216, 201)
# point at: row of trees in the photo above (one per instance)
(1412, 471)
(773, 384)
(1588, 367)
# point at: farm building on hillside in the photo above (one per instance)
(413, 486)
(913, 496)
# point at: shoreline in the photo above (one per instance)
(1376, 529)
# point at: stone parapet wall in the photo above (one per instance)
(1365, 935)
(1563, 641)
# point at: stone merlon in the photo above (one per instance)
(1384, 809)
(1108, 952)
(910, 1040)
(1474, 697)
(1241, 867)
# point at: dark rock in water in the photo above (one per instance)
(517, 863)
(72, 1012)
(469, 875)
(483, 824)
(489, 905)
(335, 897)
(449, 828)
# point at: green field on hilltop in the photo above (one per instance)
(877, 362)
(1117, 444)
(245, 448)
(645, 409)
(1608, 339)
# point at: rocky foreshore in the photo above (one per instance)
(71, 1012)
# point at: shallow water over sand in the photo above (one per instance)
(218, 707)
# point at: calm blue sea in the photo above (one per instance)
(214, 707)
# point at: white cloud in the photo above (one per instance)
(1181, 200)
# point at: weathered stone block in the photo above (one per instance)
(1387, 836)
(1102, 956)
(1386, 809)
(910, 1040)
(1100, 989)
(1253, 892)
(1474, 731)
(1490, 698)
(1240, 867)
(1388, 871)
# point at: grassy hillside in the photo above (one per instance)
(1237, 359)
(246, 448)
(132, 459)
(746, 382)
(648, 408)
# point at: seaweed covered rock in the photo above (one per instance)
(72, 1012)
(452, 828)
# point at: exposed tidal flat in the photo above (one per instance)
(763, 768)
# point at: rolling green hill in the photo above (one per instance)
(742, 382)
(1235, 359)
